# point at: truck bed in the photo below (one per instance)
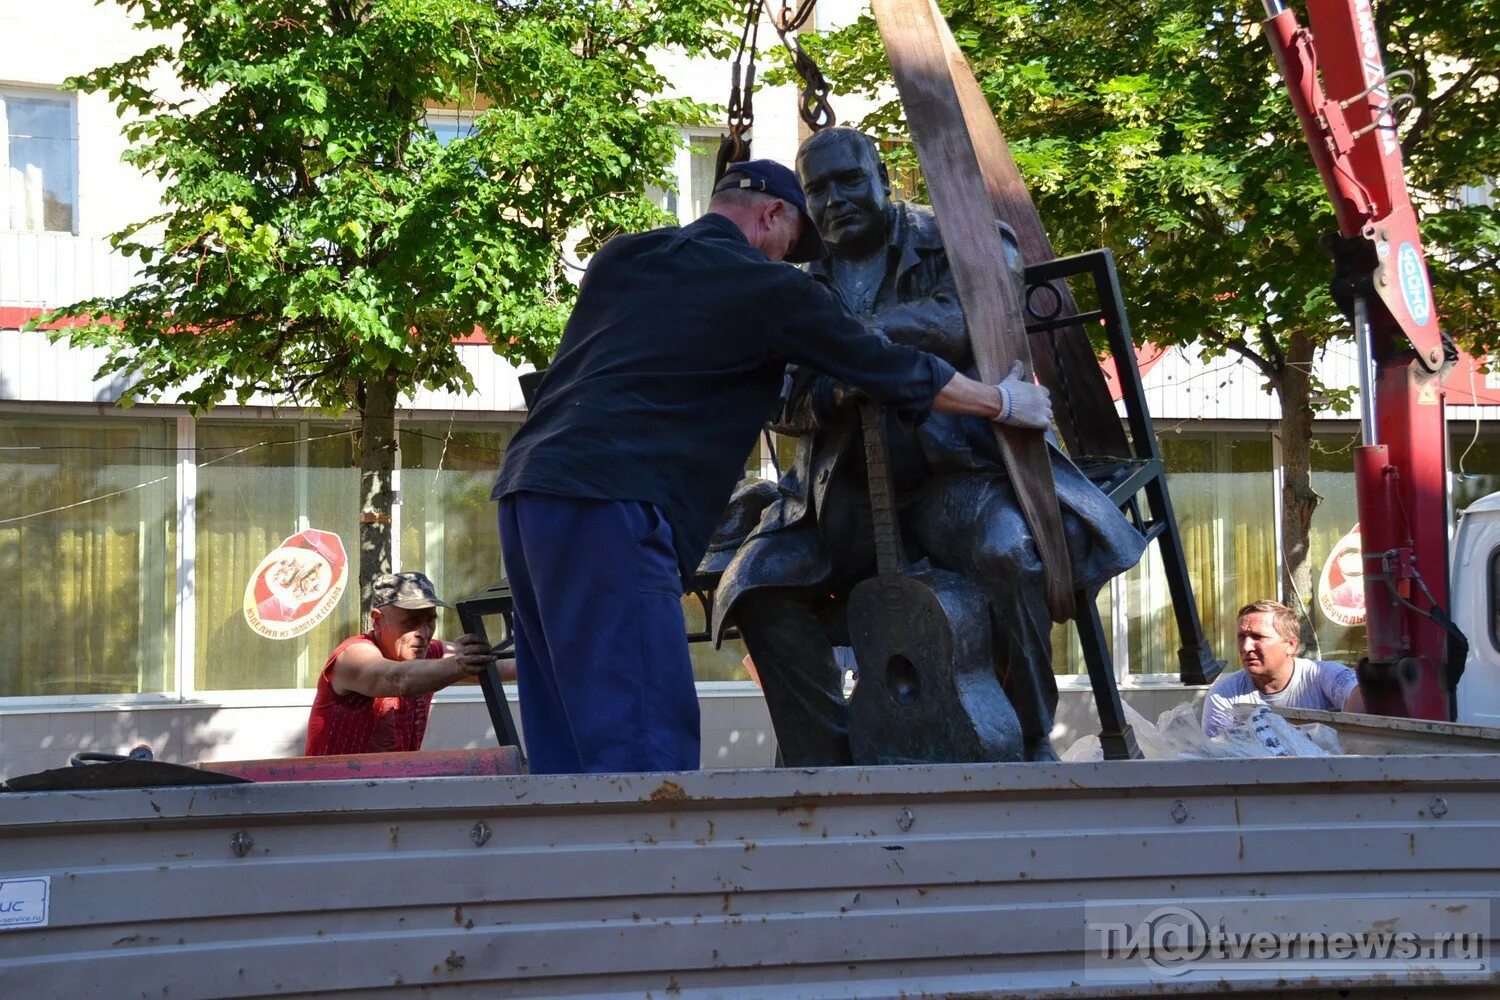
(952, 880)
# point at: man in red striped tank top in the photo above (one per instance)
(376, 689)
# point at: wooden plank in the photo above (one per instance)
(992, 306)
(1090, 425)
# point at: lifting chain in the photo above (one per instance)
(735, 146)
(813, 103)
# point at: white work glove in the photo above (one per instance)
(1023, 403)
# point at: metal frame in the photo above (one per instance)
(1124, 479)
(497, 601)
(471, 614)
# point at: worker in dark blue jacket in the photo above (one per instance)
(672, 359)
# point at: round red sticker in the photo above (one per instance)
(1341, 587)
(297, 585)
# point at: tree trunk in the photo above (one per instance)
(377, 461)
(1298, 498)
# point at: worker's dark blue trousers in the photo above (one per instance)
(601, 648)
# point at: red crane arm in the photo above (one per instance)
(1340, 89)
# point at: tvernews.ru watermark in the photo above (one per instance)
(1350, 937)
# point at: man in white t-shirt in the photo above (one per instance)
(1274, 674)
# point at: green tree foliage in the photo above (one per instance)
(320, 245)
(1160, 129)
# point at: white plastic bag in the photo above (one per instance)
(1256, 731)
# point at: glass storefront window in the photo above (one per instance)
(1222, 492)
(92, 578)
(786, 451)
(1333, 478)
(448, 525)
(709, 664)
(98, 614)
(1067, 651)
(448, 528)
(258, 483)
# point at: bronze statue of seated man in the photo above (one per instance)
(786, 586)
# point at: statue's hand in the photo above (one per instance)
(846, 395)
(829, 399)
(1023, 403)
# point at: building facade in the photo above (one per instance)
(131, 533)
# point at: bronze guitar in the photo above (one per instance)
(927, 690)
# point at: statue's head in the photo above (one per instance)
(847, 190)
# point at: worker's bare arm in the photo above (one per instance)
(1355, 702)
(362, 669)
(504, 665)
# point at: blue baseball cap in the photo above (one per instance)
(772, 178)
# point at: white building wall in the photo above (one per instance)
(49, 42)
(34, 370)
(1184, 387)
(45, 43)
(41, 270)
(707, 80)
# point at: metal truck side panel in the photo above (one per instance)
(900, 881)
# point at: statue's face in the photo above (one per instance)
(846, 197)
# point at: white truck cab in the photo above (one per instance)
(1476, 609)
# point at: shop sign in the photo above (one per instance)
(297, 585)
(1341, 587)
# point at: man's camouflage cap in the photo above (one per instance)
(409, 591)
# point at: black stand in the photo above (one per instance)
(471, 615)
(1124, 478)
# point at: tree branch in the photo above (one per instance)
(1244, 350)
(1270, 348)
(1425, 117)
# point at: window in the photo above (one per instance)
(448, 124)
(268, 480)
(1470, 195)
(1474, 457)
(702, 155)
(1495, 599)
(90, 558)
(1333, 478)
(905, 173)
(694, 173)
(38, 162)
(1067, 650)
(448, 528)
(1222, 492)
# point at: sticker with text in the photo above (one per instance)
(23, 902)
